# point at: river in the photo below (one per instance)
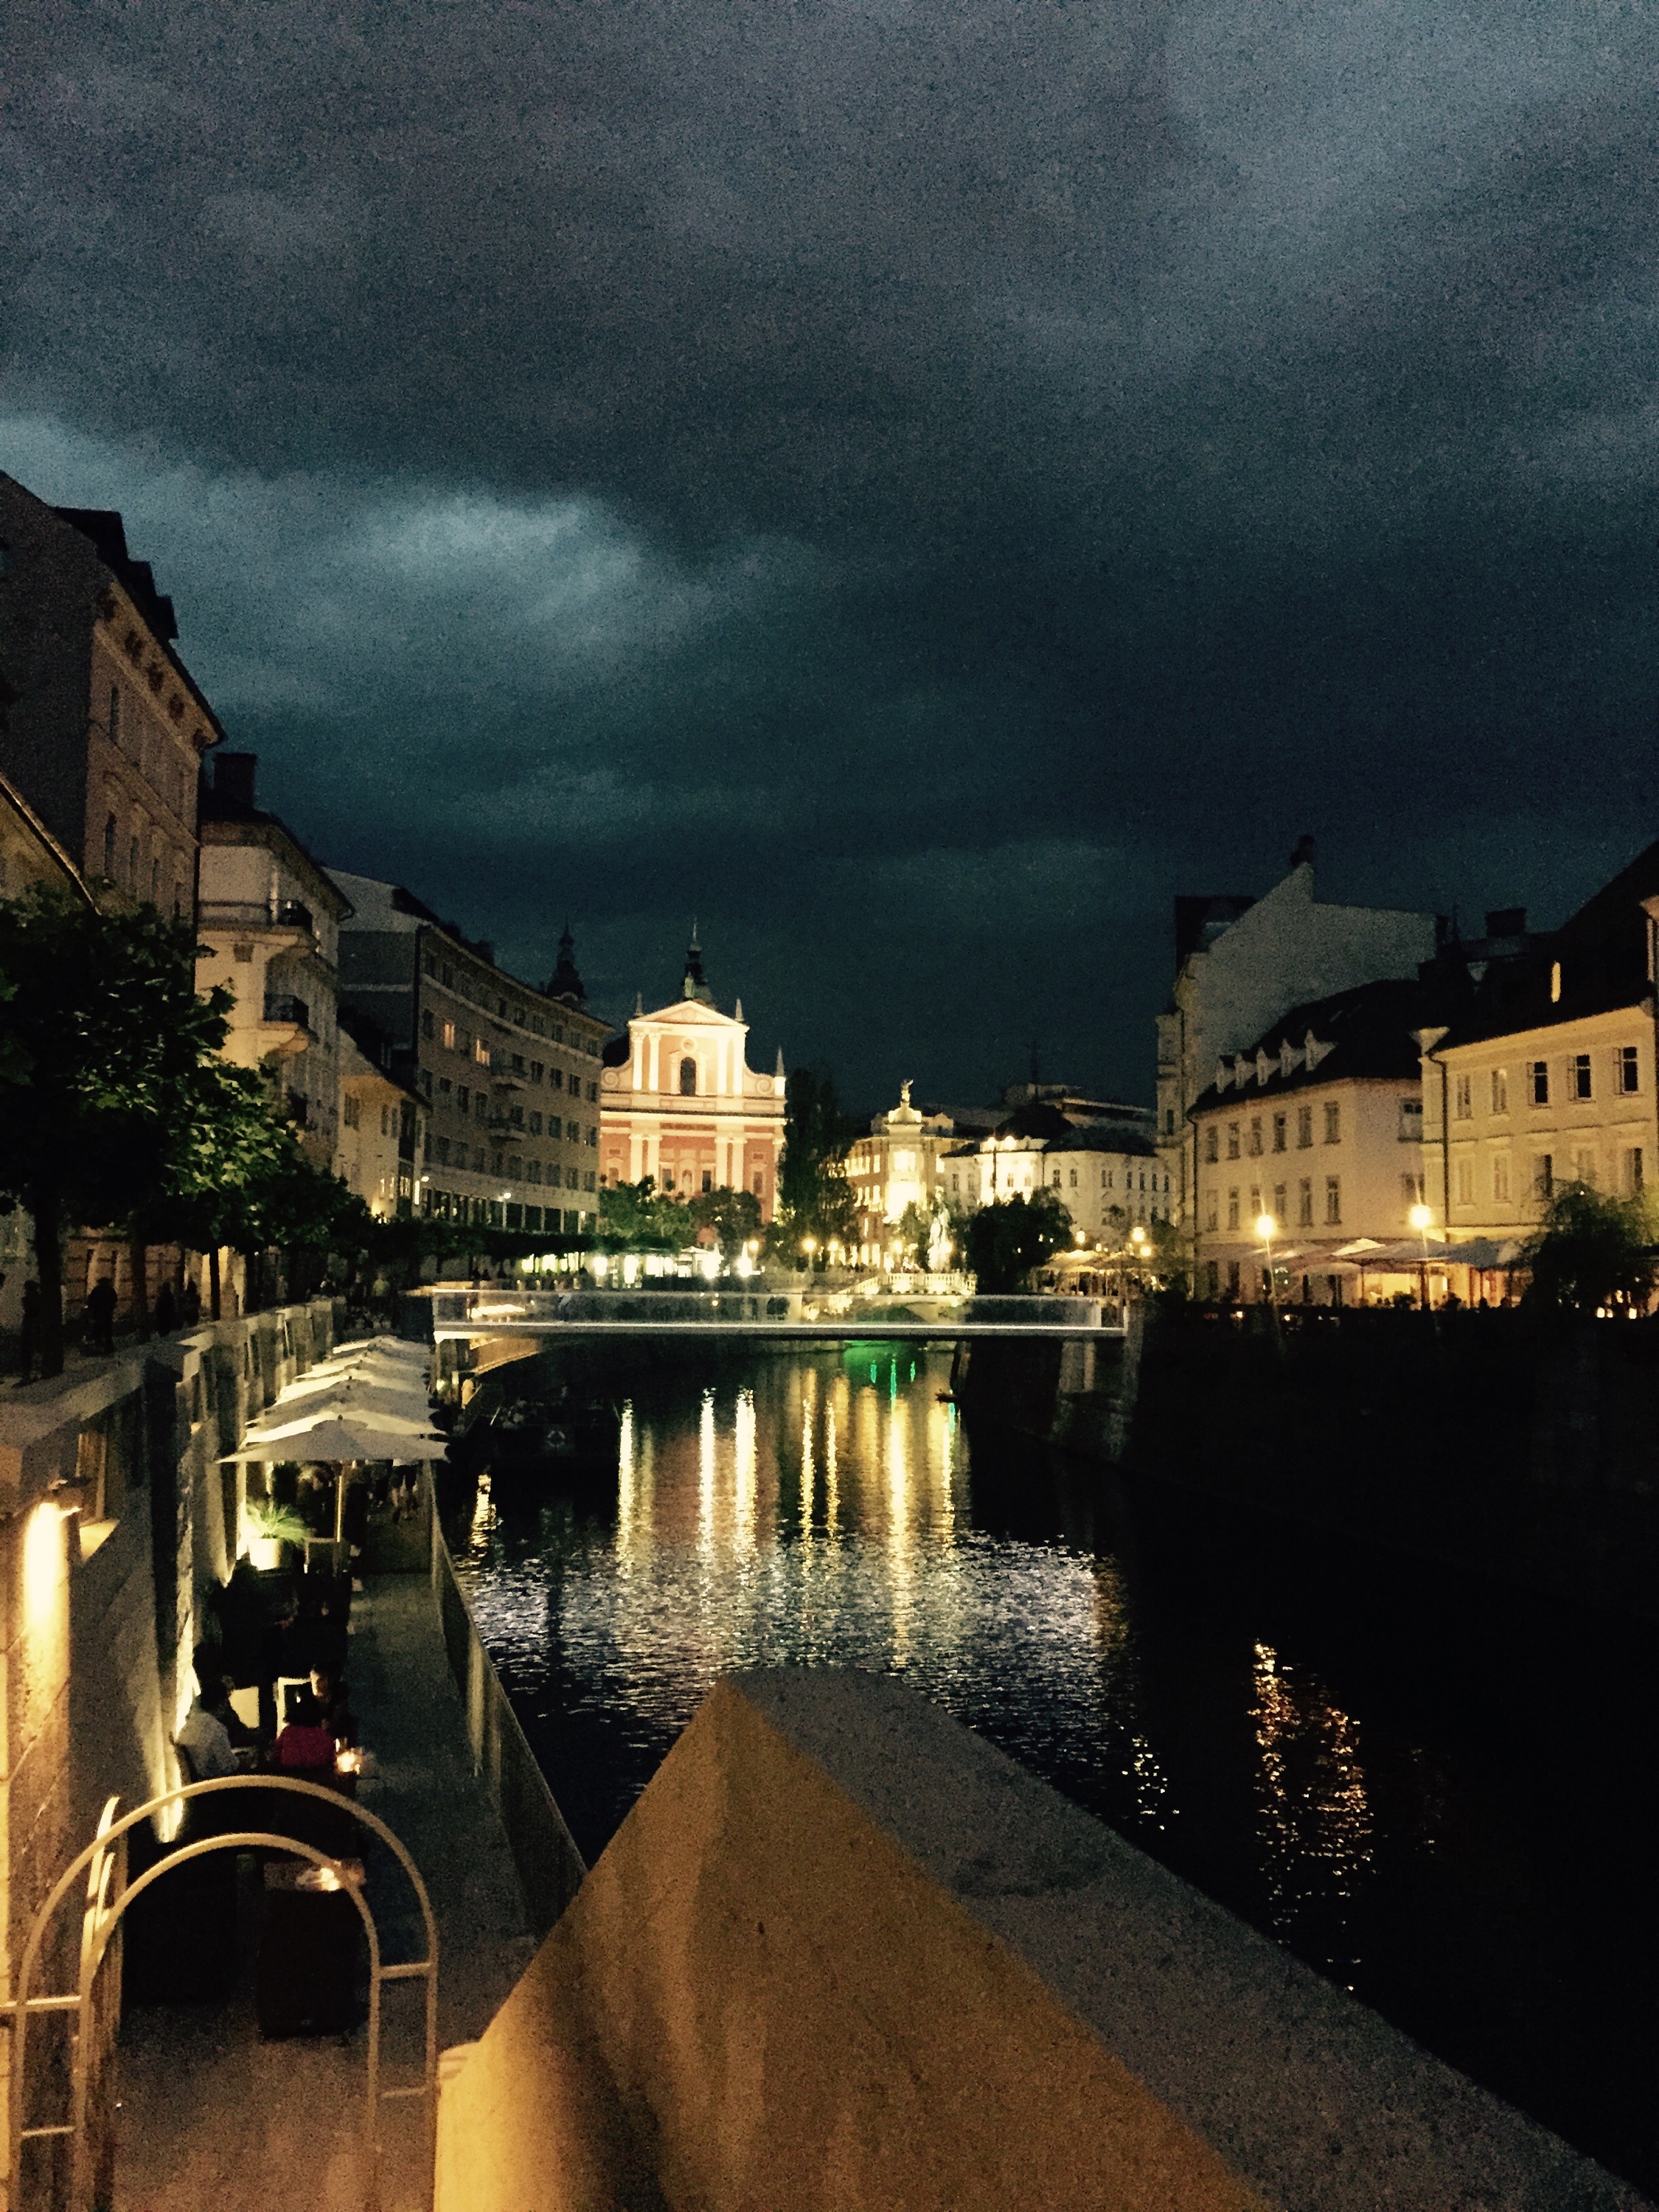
(1445, 1803)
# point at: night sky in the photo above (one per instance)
(914, 485)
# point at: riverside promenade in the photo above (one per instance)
(212, 2116)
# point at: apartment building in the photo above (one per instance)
(507, 1076)
(1317, 1127)
(269, 919)
(1545, 1075)
(1240, 963)
(103, 728)
(895, 1165)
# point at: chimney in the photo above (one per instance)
(1303, 856)
(232, 782)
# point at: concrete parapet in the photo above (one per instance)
(844, 1954)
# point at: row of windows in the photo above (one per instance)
(1626, 1172)
(1621, 1068)
(144, 864)
(157, 760)
(465, 1100)
(477, 993)
(455, 1152)
(1254, 1143)
(498, 1213)
(1307, 1198)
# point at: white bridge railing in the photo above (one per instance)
(791, 1316)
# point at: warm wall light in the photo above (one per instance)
(1266, 1227)
(1421, 1218)
(45, 1566)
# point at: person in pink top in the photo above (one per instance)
(307, 1742)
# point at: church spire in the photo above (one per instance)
(566, 983)
(696, 985)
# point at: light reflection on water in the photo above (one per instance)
(824, 1511)
(815, 1514)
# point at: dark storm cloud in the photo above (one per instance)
(915, 484)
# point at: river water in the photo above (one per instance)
(1445, 1804)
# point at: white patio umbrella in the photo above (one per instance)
(338, 1437)
(394, 1394)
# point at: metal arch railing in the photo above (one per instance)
(77, 2002)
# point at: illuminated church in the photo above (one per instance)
(678, 1102)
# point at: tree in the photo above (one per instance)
(1007, 1240)
(100, 1023)
(1591, 1252)
(814, 1197)
(637, 1217)
(219, 1154)
(733, 1215)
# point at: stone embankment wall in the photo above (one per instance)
(1520, 1447)
(115, 1517)
(845, 1956)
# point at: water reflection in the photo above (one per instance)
(817, 1510)
(1315, 1819)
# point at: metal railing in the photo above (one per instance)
(730, 1310)
(550, 1869)
(286, 1008)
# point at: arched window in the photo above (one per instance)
(688, 1078)
(109, 847)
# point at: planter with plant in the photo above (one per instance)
(268, 1527)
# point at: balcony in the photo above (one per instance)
(286, 1025)
(289, 921)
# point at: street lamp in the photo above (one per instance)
(1421, 1218)
(1266, 1228)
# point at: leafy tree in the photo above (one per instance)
(215, 1155)
(1591, 1251)
(636, 1217)
(814, 1197)
(733, 1215)
(1007, 1240)
(101, 1024)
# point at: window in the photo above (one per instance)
(427, 1025)
(1212, 1219)
(449, 1035)
(385, 1121)
(1543, 1177)
(1280, 1126)
(1500, 1179)
(1056, 1184)
(1579, 1075)
(538, 1070)
(1411, 1192)
(1169, 1120)
(1333, 1124)
(1538, 1072)
(688, 1078)
(1333, 1200)
(1632, 1170)
(535, 1125)
(1279, 1213)
(1105, 1177)
(1233, 1140)
(556, 1078)
(1584, 1167)
(1304, 1202)
(1073, 1178)
(1500, 1091)
(1463, 1097)
(443, 1151)
(114, 715)
(463, 1098)
(760, 1181)
(1303, 1127)
(350, 1111)
(481, 1051)
(1212, 1144)
(1555, 982)
(709, 1179)
(1232, 1209)
(593, 1094)
(1255, 1204)
(1626, 1075)
(1255, 1136)
(1466, 1182)
(480, 1106)
(431, 967)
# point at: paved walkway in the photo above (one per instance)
(212, 2116)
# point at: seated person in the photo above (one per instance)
(203, 1734)
(333, 1698)
(306, 1743)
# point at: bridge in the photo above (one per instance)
(787, 1317)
